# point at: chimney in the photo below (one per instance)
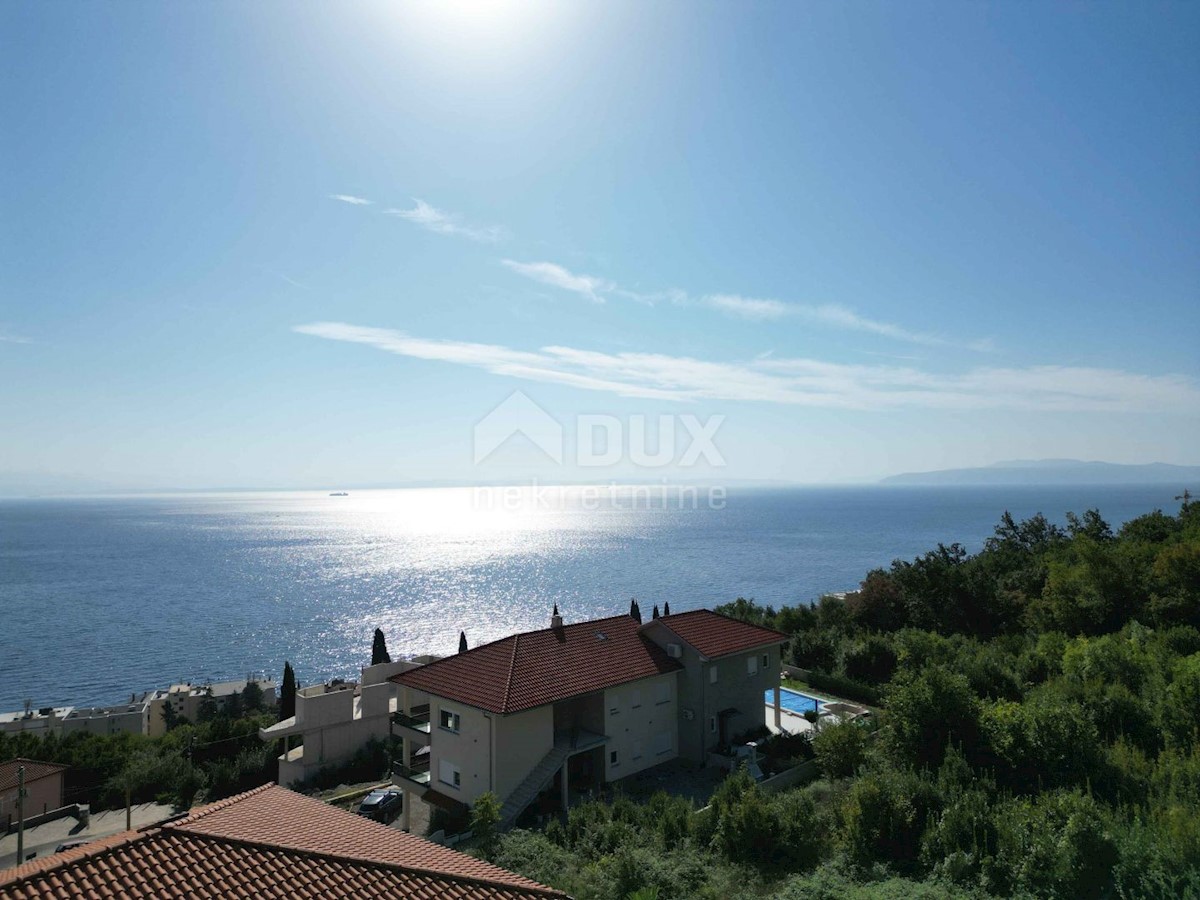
(555, 618)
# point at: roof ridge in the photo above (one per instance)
(512, 665)
(529, 885)
(199, 812)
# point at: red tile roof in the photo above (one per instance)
(34, 771)
(539, 667)
(715, 635)
(270, 843)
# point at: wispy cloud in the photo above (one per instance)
(7, 337)
(556, 276)
(351, 199)
(753, 309)
(746, 307)
(441, 222)
(802, 382)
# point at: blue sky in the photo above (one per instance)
(873, 237)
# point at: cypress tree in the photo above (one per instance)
(666, 607)
(379, 653)
(656, 610)
(634, 612)
(287, 693)
(462, 642)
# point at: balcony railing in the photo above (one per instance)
(417, 721)
(417, 773)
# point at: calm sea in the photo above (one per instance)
(101, 597)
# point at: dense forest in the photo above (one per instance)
(1040, 708)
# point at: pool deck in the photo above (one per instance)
(790, 722)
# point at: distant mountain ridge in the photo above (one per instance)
(1054, 471)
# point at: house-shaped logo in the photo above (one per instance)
(518, 415)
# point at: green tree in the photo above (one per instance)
(485, 821)
(252, 697)
(379, 651)
(287, 693)
(929, 711)
(840, 749)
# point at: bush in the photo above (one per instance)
(840, 749)
(845, 687)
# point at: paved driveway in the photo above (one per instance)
(44, 838)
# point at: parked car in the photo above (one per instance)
(382, 805)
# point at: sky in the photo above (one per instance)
(280, 245)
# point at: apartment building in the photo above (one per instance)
(542, 714)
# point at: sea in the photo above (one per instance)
(101, 597)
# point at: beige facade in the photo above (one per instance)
(334, 721)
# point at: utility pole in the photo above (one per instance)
(20, 815)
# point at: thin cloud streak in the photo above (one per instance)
(556, 276)
(438, 221)
(754, 309)
(351, 199)
(797, 382)
(7, 337)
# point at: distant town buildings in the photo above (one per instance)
(145, 713)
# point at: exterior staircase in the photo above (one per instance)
(533, 785)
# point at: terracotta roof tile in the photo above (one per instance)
(715, 635)
(270, 843)
(34, 771)
(539, 667)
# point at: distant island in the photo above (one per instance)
(1054, 472)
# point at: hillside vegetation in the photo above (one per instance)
(1041, 708)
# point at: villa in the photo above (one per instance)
(268, 842)
(572, 707)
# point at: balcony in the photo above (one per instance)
(415, 723)
(414, 777)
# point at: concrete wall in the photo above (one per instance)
(522, 741)
(641, 724)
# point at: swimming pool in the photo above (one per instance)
(794, 700)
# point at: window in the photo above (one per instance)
(612, 758)
(712, 674)
(448, 773)
(751, 665)
(613, 710)
(766, 661)
(662, 692)
(451, 721)
(712, 724)
(662, 743)
(635, 698)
